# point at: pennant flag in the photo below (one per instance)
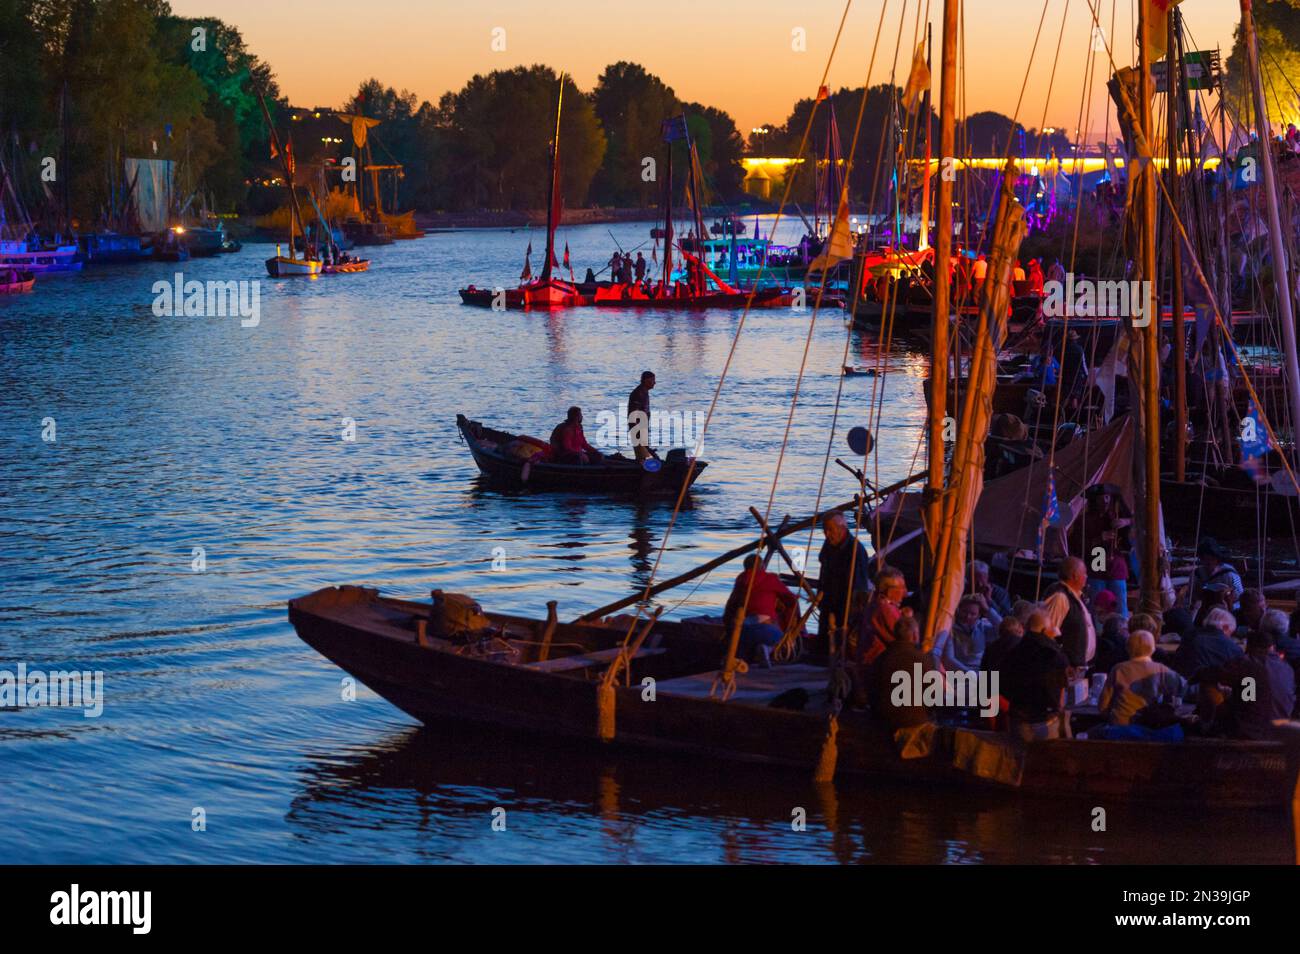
(288, 156)
(839, 247)
(275, 153)
(1255, 444)
(554, 263)
(1051, 508)
(566, 255)
(918, 81)
(1157, 26)
(675, 129)
(823, 93)
(527, 273)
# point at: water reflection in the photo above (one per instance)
(582, 802)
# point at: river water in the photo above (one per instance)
(199, 477)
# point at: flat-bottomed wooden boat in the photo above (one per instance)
(529, 674)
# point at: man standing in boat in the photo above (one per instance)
(843, 577)
(638, 416)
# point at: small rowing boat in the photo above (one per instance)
(516, 461)
(346, 268)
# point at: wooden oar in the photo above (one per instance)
(730, 555)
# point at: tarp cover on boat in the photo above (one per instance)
(152, 195)
(1010, 510)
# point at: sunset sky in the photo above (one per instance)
(737, 56)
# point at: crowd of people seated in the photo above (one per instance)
(1223, 664)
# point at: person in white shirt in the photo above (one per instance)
(1068, 616)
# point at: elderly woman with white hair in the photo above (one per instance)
(1137, 682)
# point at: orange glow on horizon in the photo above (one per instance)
(739, 57)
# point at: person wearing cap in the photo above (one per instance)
(1214, 571)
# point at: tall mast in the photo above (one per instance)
(1173, 71)
(295, 213)
(924, 240)
(1150, 338)
(942, 260)
(552, 189)
(668, 220)
(1276, 246)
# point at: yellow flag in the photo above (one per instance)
(918, 81)
(839, 247)
(1157, 26)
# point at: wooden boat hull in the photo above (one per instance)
(611, 477)
(374, 640)
(1227, 513)
(346, 268)
(543, 294)
(24, 282)
(282, 267)
(631, 296)
(42, 261)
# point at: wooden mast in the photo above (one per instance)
(1277, 247)
(295, 213)
(923, 241)
(1173, 70)
(1149, 336)
(942, 280)
(552, 187)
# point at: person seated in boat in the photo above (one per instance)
(569, 444)
(1253, 606)
(1259, 687)
(1033, 679)
(1112, 644)
(1010, 632)
(997, 597)
(1206, 647)
(1043, 369)
(974, 625)
(891, 703)
(1138, 682)
(844, 575)
(875, 629)
(1213, 567)
(767, 611)
(1008, 447)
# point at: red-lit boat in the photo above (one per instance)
(545, 291)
